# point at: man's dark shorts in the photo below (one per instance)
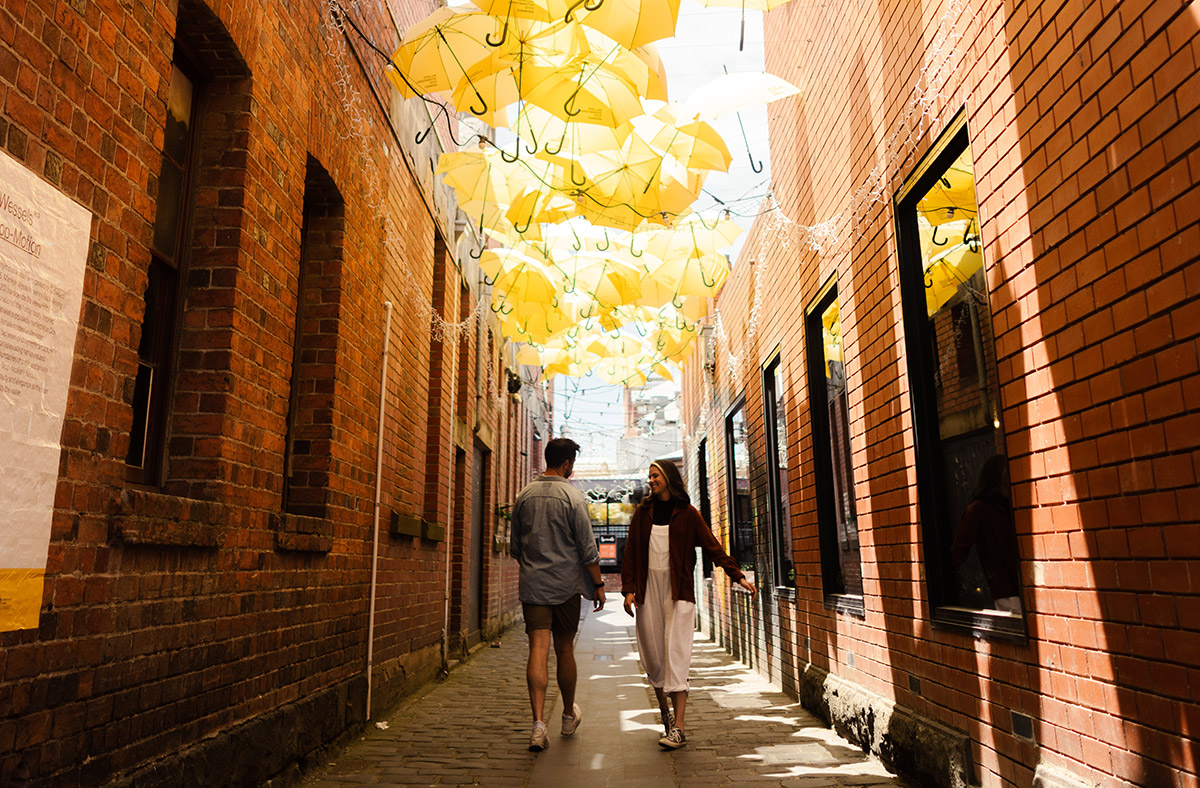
(561, 619)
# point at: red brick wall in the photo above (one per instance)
(183, 621)
(1082, 122)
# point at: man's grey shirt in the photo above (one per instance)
(553, 542)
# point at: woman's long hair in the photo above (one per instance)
(675, 486)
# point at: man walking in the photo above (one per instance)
(553, 543)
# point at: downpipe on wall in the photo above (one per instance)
(387, 335)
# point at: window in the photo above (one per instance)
(741, 513)
(837, 521)
(775, 430)
(706, 563)
(164, 290)
(967, 526)
(308, 460)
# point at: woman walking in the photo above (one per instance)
(656, 579)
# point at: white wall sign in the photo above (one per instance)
(43, 253)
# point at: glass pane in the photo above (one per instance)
(599, 513)
(176, 140)
(742, 516)
(786, 574)
(141, 407)
(979, 549)
(849, 566)
(620, 513)
(179, 116)
(166, 216)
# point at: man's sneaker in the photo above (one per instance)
(570, 724)
(668, 720)
(673, 740)
(539, 739)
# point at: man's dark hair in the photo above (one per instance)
(559, 451)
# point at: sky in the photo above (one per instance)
(588, 410)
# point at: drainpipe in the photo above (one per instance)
(387, 334)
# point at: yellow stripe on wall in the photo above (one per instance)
(20, 598)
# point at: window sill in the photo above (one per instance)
(298, 533)
(785, 593)
(986, 624)
(851, 604)
(143, 517)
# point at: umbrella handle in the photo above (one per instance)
(577, 183)
(571, 100)
(607, 243)
(522, 230)
(475, 255)
(631, 250)
(503, 33)
(588, 5)
(487, 282)
(676, 301)
(510, 159)
(933, 238)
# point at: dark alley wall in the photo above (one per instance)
(1082, 123)
(205, 614)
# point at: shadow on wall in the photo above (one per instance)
(1114, 255)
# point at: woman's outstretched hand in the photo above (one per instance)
(744, 583)
(630, 603)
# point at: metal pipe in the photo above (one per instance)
(387, 334)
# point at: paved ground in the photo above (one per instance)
(473, 728)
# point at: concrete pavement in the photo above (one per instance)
(473, 728)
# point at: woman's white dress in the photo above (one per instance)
(664, 625)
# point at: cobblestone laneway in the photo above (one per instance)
(472, 729)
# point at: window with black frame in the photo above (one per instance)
(741, 512)
(972, 562)
(837, 518)
(775, 431)
(164, 288)
(706, 563)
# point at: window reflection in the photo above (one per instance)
(741, 513)
(972, 554)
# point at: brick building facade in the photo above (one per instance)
(262, 214)
(985, 246)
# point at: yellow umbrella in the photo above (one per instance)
(561, 141)
(500, 77)
(693, 236)
(586, 90)
(695, 145)
(952, 255)
(696, 276)
(439, 50)
(607, 278)
(952, 196)
(496, 262)
(528, 283)
(632, 23)
(543, 10)
(535, 323)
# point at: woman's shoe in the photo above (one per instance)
(673, 739)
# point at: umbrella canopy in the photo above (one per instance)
(439, 50)
(734, 92)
